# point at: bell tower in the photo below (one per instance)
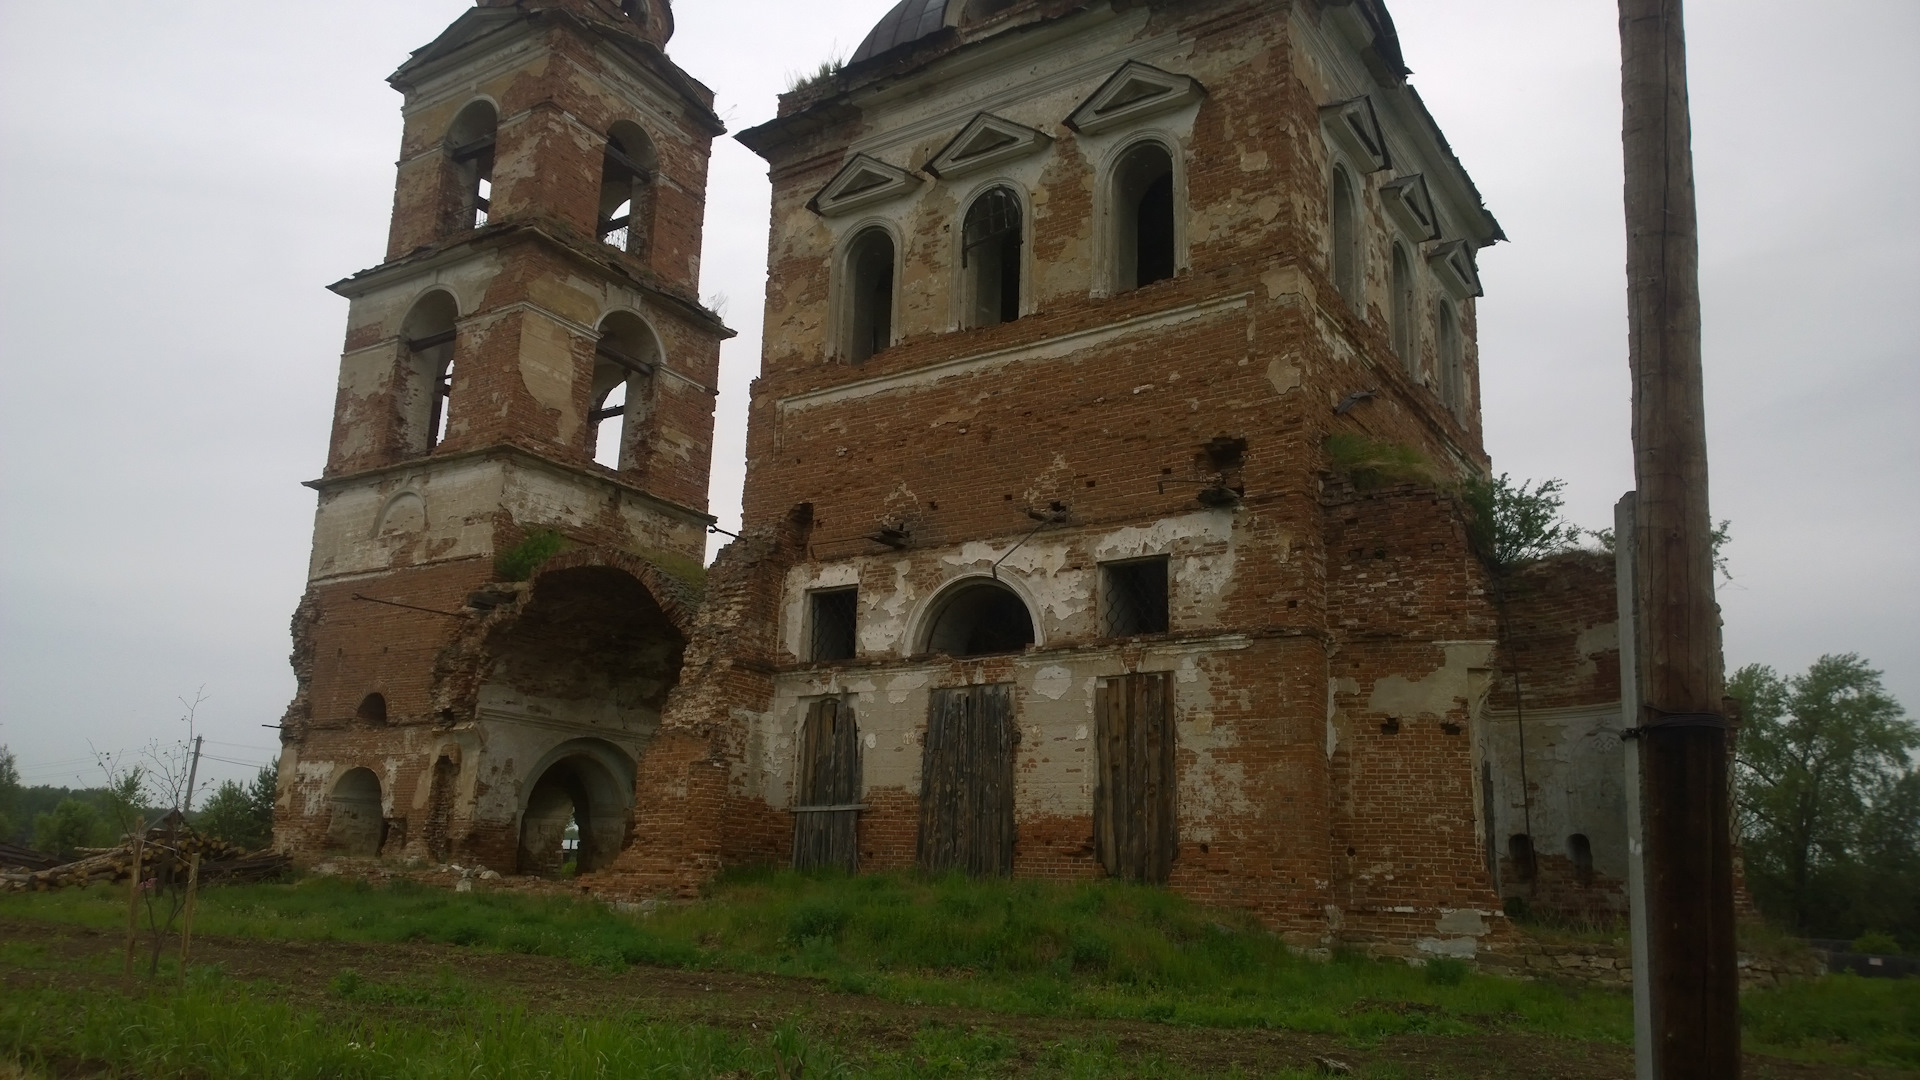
(529, 371)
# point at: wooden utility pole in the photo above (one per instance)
(1684, 734)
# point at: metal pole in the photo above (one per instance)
(1683, 731)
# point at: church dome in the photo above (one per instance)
(914, 20)
(908, 22)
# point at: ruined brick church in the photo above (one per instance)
(1119, 360)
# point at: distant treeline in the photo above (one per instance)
(61, 820)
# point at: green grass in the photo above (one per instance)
(1028, 948)
(214, 1029)
(1840, 1019)
(1096, 950)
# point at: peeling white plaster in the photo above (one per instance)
(1052, 682)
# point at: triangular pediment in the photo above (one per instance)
(1411, 204)
(986, 140)
(863, 181)
(1452, 263)
(1133, 93)
(1356, 128)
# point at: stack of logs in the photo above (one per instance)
(165, 847)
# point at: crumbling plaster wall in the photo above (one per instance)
(1560, 679)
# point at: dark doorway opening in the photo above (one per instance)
(580, 795)
(357, 826)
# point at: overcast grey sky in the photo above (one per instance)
(181, 180)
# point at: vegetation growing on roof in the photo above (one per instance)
(1376, 463)
(518, 562)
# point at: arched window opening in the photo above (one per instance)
(372, 710)
(1520, 854)
(576, 815)
(627, 173)
(1346, 238)
(990, 258)
(620, 405)
(469, 152)
(1452, 375)
(870, 285)
(980, 618)
(428, 335)
(357, 825)
(1580, 853)
(1143, 216)
(1405, 341)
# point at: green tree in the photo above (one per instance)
(241, 814)
(1515, 524)
(1828, 798)
(71, 825)
(9, 794)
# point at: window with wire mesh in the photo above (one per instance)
(830, 619)
(1133, 597)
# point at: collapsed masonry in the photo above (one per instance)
(1117, 358)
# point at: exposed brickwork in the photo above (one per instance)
(492, 689)
(1330, 647)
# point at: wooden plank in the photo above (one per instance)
(966, 781)
(1136, 829)
(826, 788)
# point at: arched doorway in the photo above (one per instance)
(576, 809)
(357, 827)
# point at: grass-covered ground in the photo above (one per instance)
(1075, 955)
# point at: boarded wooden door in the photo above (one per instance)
(966, 781)
(826, 817)
(1134, 825)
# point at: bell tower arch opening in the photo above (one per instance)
(427, 337)
(621, 410)
(467, 194)
(627, 173)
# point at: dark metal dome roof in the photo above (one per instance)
(909, 21)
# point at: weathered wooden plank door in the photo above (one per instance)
(966, 781)
(1134, 824)
(826, 814)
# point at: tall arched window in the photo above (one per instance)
(869, 301)
(468, 196)
(427, 338)
(1143, 216)
(1453, 383)
(1346, 238)
(1406, 343)
(620, 406)
(626, 190)
(990, 258)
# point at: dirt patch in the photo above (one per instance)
(300, 973)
